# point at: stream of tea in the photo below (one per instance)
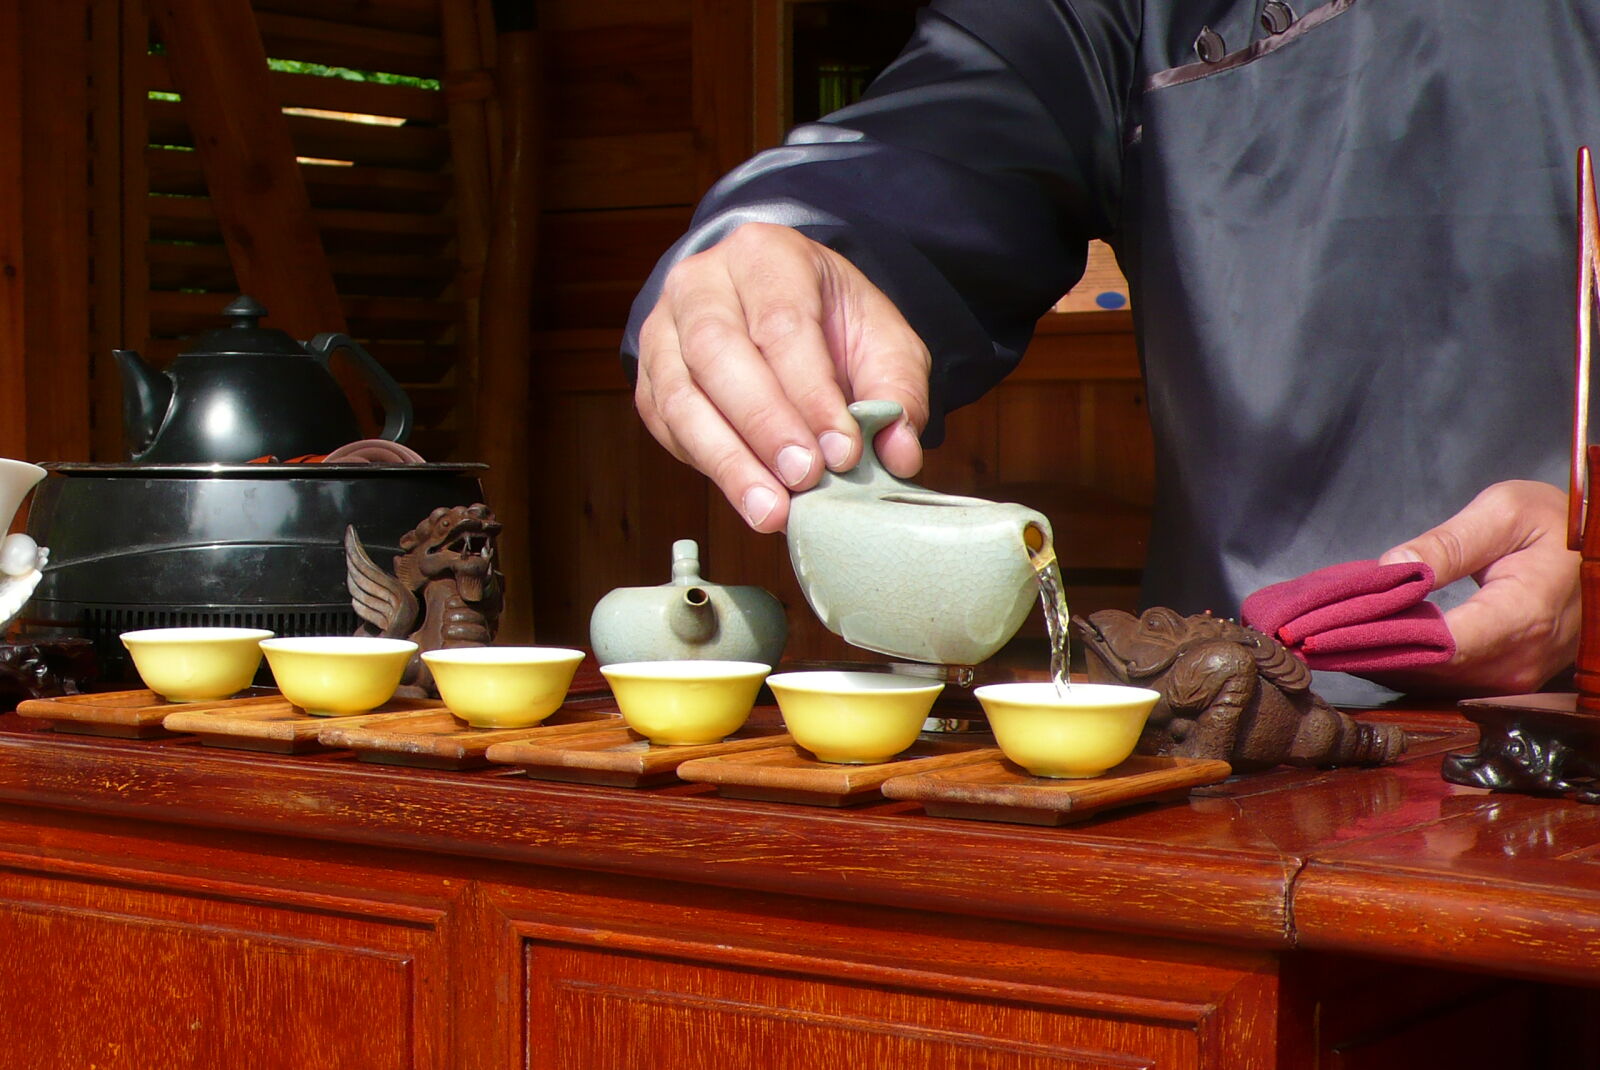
(1053, 600)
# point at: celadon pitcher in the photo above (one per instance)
(688, 619)
(901, 570)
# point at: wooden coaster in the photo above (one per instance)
(275, 725)
(437, 739)
(788, 774)
(127, 714)
(617, 756)
(996, 790)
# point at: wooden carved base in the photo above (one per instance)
(45, 668)
(1532, 744)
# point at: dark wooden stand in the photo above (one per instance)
(45, 668)
(166, 903)
(1541, 744)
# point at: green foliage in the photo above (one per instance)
(294, 66)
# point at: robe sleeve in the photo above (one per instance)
(965, 184)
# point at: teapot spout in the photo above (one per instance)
(693, 618)
(146, 396)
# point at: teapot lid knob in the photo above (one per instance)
(244, 333)
(245, 311)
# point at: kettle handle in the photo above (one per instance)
(397, 411)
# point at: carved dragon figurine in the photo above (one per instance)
(445, 590)
(1227, 692)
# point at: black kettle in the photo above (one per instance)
(246, 391)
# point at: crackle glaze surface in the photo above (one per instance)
(688, 619)
(901, 570)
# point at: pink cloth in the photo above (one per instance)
(1356, 617)
(374, 451)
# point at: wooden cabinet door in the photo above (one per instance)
(117, 969)
(597, 1010)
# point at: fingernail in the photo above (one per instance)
(759, 502)
(835, 448)
(1395, 557)
(794, 464)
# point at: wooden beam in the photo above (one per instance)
(214, 53)
(13, 368)
(504, 395)
(219, 66)
(109, 106)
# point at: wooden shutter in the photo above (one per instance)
(397, 176)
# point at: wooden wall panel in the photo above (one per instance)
(44, 235)
(619, 79)
(55, 94)
(415, 16)
(560, 15)
(632, 171)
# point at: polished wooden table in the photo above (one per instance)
(171, 904)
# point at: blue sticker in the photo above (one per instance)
(1110, 299)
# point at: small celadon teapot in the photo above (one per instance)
(246, 391)
(898, 569)
(688, 619)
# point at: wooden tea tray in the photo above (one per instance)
(617, 756)
(127, 714)
(788, 774)
(437, 739)
(273, 724)
(996, 790)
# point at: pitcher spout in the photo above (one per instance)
(1041, 547)
(146, 396)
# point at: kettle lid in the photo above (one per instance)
(245, 334)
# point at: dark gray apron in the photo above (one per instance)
(1354, 262)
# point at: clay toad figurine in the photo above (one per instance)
(1227, 692)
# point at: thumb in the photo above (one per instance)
(882, 358)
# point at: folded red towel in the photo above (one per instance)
(1357, 617)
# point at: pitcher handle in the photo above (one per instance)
(397, 411)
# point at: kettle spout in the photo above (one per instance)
(146, 395)
(693, 618)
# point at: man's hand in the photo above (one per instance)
(1521, 627)
(751, 355)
